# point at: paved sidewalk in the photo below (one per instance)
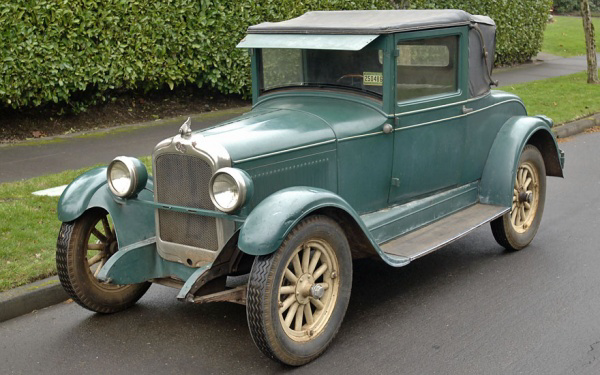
(25, 160)
(38, 158)
(543, 66)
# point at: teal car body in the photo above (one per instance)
(383, 157)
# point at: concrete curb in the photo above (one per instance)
(27, 298)
(577, 127)
(48, 292)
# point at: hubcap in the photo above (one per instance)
(308, 290)
(525, 197)
(317, 291)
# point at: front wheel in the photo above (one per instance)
(297, 296)
(83, 247)
(516, 229)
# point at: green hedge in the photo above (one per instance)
(520, 23)
(55, 50)
(573, 6)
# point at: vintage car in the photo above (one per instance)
(372, 134)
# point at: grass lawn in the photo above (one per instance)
(28, 229)
(563, 98)
(564, 37)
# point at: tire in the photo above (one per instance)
(517, 228)
(76, 275)
(273, 295)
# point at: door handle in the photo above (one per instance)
(387, 128)
(466, 110)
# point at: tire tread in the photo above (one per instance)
(65, 266)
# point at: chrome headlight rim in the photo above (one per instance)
(137, 176)
(242, 182)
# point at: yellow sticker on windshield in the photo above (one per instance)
(372, 79)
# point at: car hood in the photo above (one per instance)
(290, 122)
(269, 130)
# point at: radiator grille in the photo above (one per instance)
(182, 180)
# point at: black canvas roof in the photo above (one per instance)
(368, 22)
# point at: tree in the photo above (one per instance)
(588, 28)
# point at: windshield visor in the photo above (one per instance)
(348, 70)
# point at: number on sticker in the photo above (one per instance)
(372, 79)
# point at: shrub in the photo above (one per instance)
(573, 6)
(520, 23)
(55, 50)
(566, 6)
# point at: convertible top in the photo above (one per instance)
(352, 30)
(369, 22)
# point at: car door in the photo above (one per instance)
(429, 134)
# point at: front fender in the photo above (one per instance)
(499, 173)
(270, 222)
(76, 197)
(133, 220)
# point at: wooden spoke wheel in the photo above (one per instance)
(83, 247)
(517, 228)
(297, 296)
(526, 197)
(308, 290)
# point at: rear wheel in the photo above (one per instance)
(516, 229)
(297, 296)
(83, 247)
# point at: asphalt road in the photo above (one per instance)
(30, 160)
(469, 308)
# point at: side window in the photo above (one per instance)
(281, 67)
(426, 67)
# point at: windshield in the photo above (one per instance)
(354, 70)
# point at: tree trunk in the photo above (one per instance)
(590, 44)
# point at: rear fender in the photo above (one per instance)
(498, 176)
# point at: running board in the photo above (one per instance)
(440, 233)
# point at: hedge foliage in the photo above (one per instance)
(520, 24)
(54, 50)
(573, 6)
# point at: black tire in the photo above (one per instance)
(75, 274)
(505, 231)
(293, 346)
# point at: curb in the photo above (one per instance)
(575, 127)
(48, 292)
(31, 297)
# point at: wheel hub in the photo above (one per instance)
(525, 197)
(303, 288)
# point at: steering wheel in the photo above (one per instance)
(352, 77)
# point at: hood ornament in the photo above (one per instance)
(185, 130)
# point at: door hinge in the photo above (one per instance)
(395, 182)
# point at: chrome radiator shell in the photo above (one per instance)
(182, 168)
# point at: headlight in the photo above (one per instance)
(229, 189)
(126, 176)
